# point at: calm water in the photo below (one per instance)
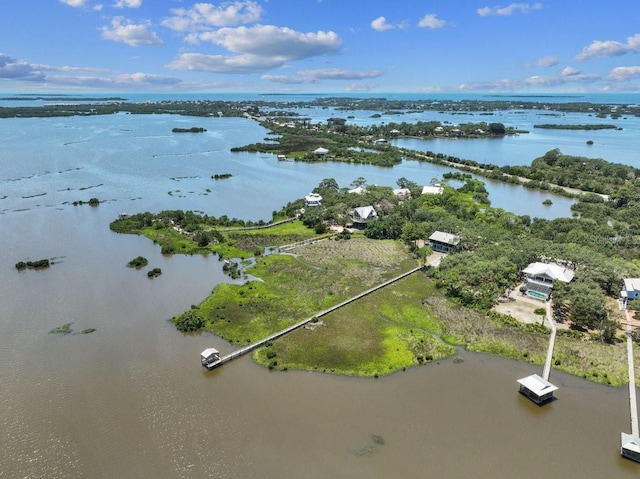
(131, 400)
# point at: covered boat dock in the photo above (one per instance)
(536, 388)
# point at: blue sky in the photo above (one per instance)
(334, 46)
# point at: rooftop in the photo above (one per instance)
(537, 385)
(552, 270)
(443, 237)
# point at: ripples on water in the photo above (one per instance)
(131, 400)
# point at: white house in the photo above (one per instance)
(630, 291)
(363, 214)
(540, 278)
(432, 190)
(313, 199)
(320, 151)
(357, 191)
(402, 193)
(443, 242)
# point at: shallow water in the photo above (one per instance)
(131, 399)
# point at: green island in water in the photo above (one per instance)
(458, 301)
(467, 298)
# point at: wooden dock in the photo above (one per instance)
(552, 341)
(632, 384)
(251, 347)
(630, 443)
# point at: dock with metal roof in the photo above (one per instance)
(535, 387)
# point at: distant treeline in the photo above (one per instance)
(554, 126)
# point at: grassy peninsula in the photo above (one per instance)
(426, 316)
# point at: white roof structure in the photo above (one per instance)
(632, 284)
(630, 442)
(537, 385)
(551, 270)
(209, 352)
(313, 199)
(320, 151)
(402, 192)
(358, 191)
(443, 237)
(432, 190)
(365, 212)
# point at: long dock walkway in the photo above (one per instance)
(251, 347)
(552, 341)
(632, 384)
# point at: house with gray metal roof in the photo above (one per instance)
(442, 242)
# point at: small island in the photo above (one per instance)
(221, 176)
(155, 272)
(138, 262)
(39, 264)
(194, 129)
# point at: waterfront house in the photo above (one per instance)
(313, 199)
(359, 190)
(540, 277)
(536, 388)
(402, 193)
(209, 356)
(630, 291)
(320, 151)
(442, 242)
(362, 215)
(432, 190)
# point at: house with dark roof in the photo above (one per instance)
(442, 242)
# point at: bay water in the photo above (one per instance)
(131, 399)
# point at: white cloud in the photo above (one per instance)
(128, 4)
(206, 15)
(624, 73)
(548, 61)
(569, 71)
(271, 41)
(312, 76)
(123, 30)
(610, 48)
(74, 3)
(432, 21)
(508, 10)
(361, 87)
(225, 64)
(15, 69)
(380, 24)
(532, 82)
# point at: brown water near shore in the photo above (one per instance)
(131, 399)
